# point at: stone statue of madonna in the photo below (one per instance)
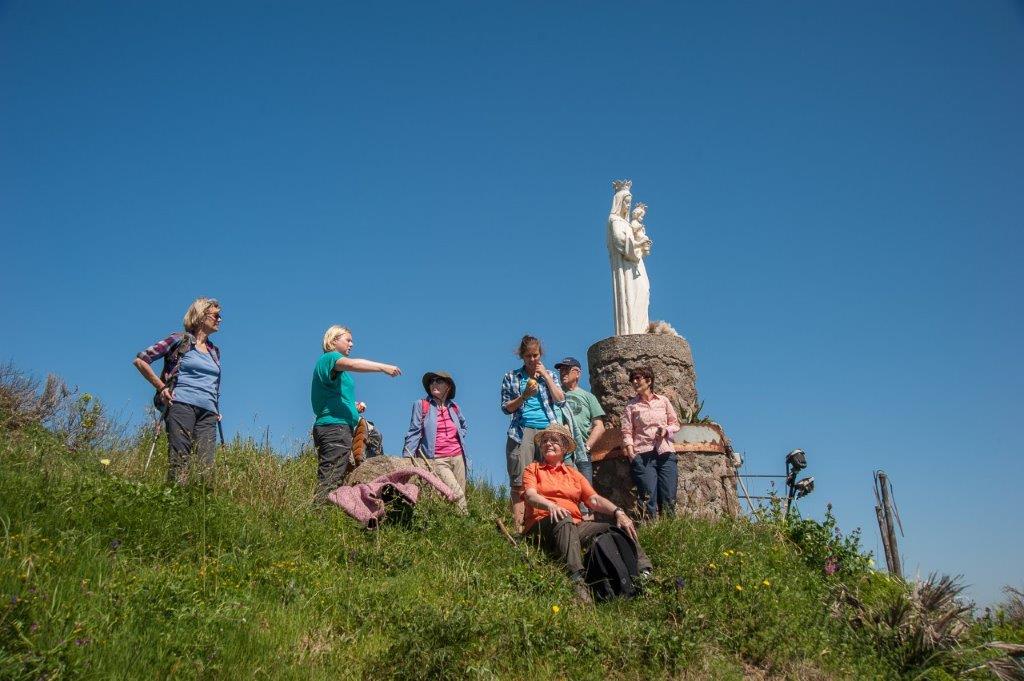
(631, 290)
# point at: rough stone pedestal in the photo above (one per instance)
(707, 482)
(611, 360)
(707, 488)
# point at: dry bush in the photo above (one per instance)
(79, 418)
(1013, 606)
(22, 403)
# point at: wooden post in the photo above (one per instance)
(885, 539)
(887, 508)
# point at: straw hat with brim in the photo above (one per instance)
(558, 432)
(443, 375)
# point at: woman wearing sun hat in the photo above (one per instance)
(437, 429)
(553, 494)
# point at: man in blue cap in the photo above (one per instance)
(586, 410)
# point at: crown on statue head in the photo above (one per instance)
(640, 205)
(619, 185)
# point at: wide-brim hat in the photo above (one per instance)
(557, 430)
(443, 375)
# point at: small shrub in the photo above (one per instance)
(822, 544)
(917, 627)
(1012, 609)
(22, 403)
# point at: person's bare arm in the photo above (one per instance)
(147, 373)
(595, 433)
(556, 392)
(602, 505)
(365, 366)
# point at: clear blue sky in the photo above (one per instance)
(836, 195)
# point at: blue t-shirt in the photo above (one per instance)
(198, 375)
(532, 410)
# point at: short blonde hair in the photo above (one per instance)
(196, 311)
(333, 332)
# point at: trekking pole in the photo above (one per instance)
(220, 430)
(156, 436)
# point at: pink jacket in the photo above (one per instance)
(363, 502)
(641, 421)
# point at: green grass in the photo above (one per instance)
(107, 573)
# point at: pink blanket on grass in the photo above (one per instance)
(363, 502)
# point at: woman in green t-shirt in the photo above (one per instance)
(332, 395)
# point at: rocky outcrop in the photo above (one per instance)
(374, 467)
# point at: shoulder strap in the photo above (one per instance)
(425, 406)
(183, 345)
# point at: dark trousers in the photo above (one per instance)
(656, 477)
(565, 541)
(191, 436)
(333, 444)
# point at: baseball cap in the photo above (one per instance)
(568, 362)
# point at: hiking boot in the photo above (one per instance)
(582, 593)
(580, 589)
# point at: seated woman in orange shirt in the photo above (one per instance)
(553, 493)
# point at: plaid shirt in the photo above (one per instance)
(510, 390)
(163, 349)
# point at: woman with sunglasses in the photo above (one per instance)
(554, 492)
(437, 430)
(647, 427)
(188, 388)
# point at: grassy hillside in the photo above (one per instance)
(107, 573)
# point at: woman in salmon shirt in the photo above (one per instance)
(647, 427)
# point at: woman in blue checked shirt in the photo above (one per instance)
(530, 395)
(188, 388)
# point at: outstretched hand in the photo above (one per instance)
(391, 370)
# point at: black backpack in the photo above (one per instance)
(374, 441)
(611, 565)
(172, 359)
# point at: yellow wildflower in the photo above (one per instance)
(712, 566)
(766, 583)
(105, 462)
(739, 588)
(555, 609)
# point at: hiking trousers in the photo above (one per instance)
(565, 541)
(452, 472)
(333, 444)
(191, 440)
